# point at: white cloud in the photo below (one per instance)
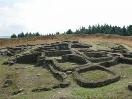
(10, 22)
(50, 16)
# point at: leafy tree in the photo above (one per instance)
(13, 36)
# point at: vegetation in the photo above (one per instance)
(96, 75)
(26, 77)
(94, 29)
(67, 65)
(13, 36)
(105, 29)
(69, 31)
(116, 90)
(21, 35)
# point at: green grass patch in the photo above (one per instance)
(67, 65)
(27, 76)
(96, 75)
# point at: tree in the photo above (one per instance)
(69, 31)
(129, 30)
(124, 31)
(21, 35)
(57, 33)
(13, 36)
(105, 29)
(26, 35)
(37, 34)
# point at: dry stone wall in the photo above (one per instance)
(86, 59)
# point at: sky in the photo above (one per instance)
(51, 16)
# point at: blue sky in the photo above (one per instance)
(50, 16)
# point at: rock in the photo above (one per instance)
(64, 84)
(17, 91)
(41, 89)
(11, 62)
(7, 83)
(62, 97)
(123, 76)
(130, 82)
(8, 62)
(56, 86)
(130, 87)
(38, 74)
(68, 72)
(64, 75)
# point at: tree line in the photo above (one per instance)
(104, 29)
(21, 35)
(94, 29)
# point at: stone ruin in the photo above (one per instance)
(70, 57)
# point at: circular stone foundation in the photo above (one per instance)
(103, 76)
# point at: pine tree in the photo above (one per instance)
(69, 31)
(129, 30)
(21, 35)
(37, 34)
(124, 31)
(13, 36)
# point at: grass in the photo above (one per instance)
(28, 77)
(3, 69)
(67, 65)
(83, 38)
(95, 75)
(25, 76)
(116, 90)
(4, 73)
